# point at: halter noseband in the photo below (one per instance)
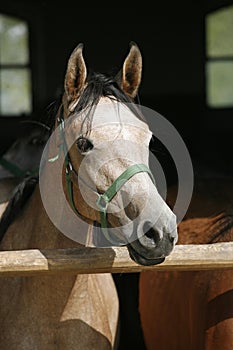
(102, 199)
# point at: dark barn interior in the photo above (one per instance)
(172, 38)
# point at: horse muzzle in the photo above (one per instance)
(153, 244)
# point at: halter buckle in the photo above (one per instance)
(102, 202)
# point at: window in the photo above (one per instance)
(15, 77)
(219, 52)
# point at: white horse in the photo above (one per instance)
(104, 145)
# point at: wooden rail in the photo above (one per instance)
(114, 260)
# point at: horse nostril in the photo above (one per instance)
(150, 233)
(172, 238)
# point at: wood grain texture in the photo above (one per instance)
(115, 260)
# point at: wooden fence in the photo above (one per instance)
(115, 260)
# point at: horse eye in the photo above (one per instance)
(84, 145)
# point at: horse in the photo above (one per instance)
(193, 310)
(21, 159)
(98, 155)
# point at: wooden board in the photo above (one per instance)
(114, 260)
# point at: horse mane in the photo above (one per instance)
(20, 196)
(97, 85)
(222, 227)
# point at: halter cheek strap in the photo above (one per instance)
(67, 162)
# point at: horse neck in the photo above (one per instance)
(35, 228)
(46, 234)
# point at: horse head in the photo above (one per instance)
(107, 162)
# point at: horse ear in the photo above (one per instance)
(75, 74)
(129, 78)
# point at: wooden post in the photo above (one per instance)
(100, 260)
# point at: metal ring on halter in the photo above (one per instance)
(102, 202)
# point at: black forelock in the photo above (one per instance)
(97, 85)
(100, 85)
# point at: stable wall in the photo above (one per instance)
(171, 37)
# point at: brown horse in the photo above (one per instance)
(98, 156)
(193, 310)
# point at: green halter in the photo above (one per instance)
(102, 199)
(15, 170)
